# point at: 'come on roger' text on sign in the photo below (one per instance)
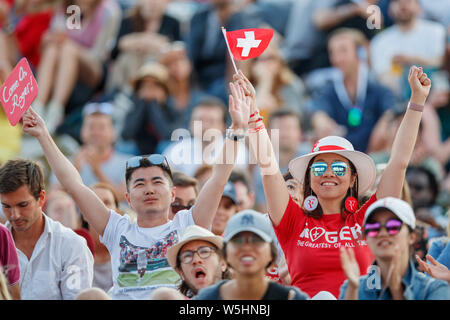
(18, 92)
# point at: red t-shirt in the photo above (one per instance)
(311, 247)
(9, 260)
(29, 32)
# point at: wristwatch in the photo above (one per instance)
(235, 135)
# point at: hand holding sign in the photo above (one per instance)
(18, 92)
(33, 123)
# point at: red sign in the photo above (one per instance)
(248, 43)
(18, 92)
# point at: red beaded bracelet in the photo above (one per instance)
(256, 130)
(259, 119)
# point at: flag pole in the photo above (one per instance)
(229, 50)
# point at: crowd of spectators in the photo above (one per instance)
(134, 77)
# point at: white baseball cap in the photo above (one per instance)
(364, 164)
(400, 208)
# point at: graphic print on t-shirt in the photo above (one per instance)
(347, 235)
(145, 267)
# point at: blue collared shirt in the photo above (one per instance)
(418, 286)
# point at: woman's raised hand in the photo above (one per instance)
(420, 85)
(239, 107)
(249, 91)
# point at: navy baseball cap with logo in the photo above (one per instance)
(230, 192)
(249, 220)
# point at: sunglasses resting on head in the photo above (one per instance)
(154, 159)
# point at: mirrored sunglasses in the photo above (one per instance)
(392, 226)
(339, 168)
(154, 159)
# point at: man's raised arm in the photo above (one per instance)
(93, 209)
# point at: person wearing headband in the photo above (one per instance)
(389, 229)
(333, 176)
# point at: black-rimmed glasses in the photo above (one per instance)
(203, 252)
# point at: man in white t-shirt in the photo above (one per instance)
(138, 250)
(410, 41)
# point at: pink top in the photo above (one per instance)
(9, 259)
(90, 29)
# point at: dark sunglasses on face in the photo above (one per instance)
(177, 207)
(339, 168)
(203, 252)
(155, 159)
(392, 226)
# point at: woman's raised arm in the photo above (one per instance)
(391, 182)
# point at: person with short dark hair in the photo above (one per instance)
(353, 102)
(186, 192)
(189, 150)
(228, 206)
(97, 160)
(202, 174)
(244, 189)
(49, 253)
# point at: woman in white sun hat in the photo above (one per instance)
(333, 175)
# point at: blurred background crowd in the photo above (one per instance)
(137, 70)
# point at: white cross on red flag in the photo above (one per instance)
(248, 43)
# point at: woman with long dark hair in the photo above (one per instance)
(333, 175)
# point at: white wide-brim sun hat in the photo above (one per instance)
(365, 167)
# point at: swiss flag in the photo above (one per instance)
(248, 43)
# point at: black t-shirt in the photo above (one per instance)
(170, 27)
(275, 291)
